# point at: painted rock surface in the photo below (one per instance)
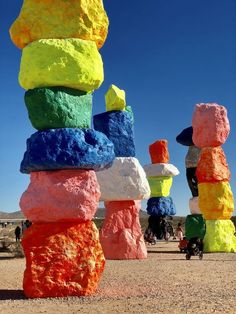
(159, 152)
(71, 62)
(195, 226)
(216, 200)
(121, 236)
(65, 195)
(192, 157)
(162, 170)
(60, 19)
(58, 107)
(161, 206)
(192, 181)
(115, 98)
(118, 127)
(194, 206)
(62, 259)
(124, 180)
(185, 137)
(220, 236)
(210, 125)
(160, 186)
(212, 165)
(58, 149)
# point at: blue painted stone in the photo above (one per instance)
(185, 137)
(118, 127)
(67, 148)
(161, 206)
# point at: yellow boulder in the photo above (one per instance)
(219, 236)
(42, 19)
(216, 200)
(74, 63)
(115, 98)
(160, 186)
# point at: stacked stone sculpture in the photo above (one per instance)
(160, 177)
(210, 130)
(60, 67)
(194, 223)
(123, 185)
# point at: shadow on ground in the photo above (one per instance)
(12, 294)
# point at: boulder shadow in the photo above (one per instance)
(6, 294)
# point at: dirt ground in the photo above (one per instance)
(164, 283)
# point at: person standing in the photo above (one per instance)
(18, 233)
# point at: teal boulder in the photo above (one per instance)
(58, 107)
(195, 226)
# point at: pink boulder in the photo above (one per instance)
(210, 125)
(121, 236)
(65, 195)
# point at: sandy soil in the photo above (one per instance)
(164, 283)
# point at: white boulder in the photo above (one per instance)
(193, 206)
(161, 169)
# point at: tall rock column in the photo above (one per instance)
(210, 130)
(160, 177)
(60, 67)
(123, 185)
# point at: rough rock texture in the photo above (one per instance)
(60, 19)
(192, 181)
(193, 205)
(220, 236)
(58, 149)
(124, 180)
(195, 226)
(159, 152)
(62, 259)
(162, 170)
(212, 165)
(115, 98)
(216, 200)
(192, 157)
(71, 62)
(161, 206)
(65, 195)
(160, 186)
(121, 236)
(210, 125)
(185, 137)
(58, 107)
(118, 127)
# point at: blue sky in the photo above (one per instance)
(168, 55)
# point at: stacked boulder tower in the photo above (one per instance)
(160, 177)
(210, 130)
(60, 68)
(123, 185)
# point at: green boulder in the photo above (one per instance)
(195, 226)
(58, 107)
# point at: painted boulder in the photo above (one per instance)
(160, 186)
(159, 152)
(161, 170)
(192, 181)
(115, 98)
(194, 206)
(195, 227)
(192, 157)
(185, 137)
(161, 206)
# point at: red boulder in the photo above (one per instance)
(159, 152)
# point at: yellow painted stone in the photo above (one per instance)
(216, 200)
(115, 98)
(42, 19)
(74, 63)
(160, 186)
(219, 236)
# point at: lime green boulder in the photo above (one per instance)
(160, 186)
(58, 107)
(115, 99)
(220, 236)
(71, 62)
(195, 227)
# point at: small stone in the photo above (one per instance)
(62, 259)
(161, 170)
(65, 195)
(58, 107)
(115, 98)
(160, 186)
(68, 148)
(161, 206)
(71, 62)
(185, 137)
(192, 157)
(194, 206)
(195, 226)
(192, 180)
(159, 152)
(210, 125)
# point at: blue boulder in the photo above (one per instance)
(185, 137)
(118, 127)
(161, 206)
(67, 148)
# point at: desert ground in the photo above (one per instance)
(164, 283)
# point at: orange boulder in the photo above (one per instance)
(62, 259)
(159, 152)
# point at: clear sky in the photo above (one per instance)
(168, 55)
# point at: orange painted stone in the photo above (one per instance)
(121, 236)
(159, 152)
(62, 259)
(212, 165)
